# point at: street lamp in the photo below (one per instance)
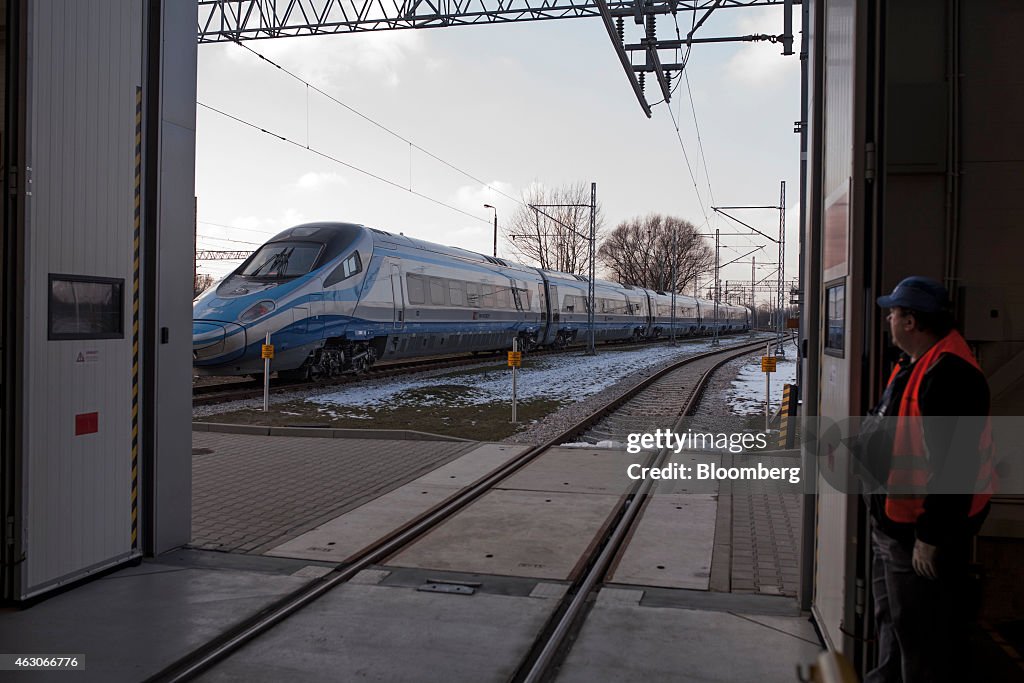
(488, 206)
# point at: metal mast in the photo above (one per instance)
(780, 297)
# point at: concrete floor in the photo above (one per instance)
(132, 623)
(394, 635)
(624, 641)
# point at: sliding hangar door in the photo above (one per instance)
(95, 324)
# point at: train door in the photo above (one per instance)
(315, 321)
(399, 300)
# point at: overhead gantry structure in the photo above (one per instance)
(237, 20)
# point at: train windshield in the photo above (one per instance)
(282, 260)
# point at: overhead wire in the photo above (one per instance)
(237, 227)
(368, 119)
(684, 59)
(341, 162)
(226, 239)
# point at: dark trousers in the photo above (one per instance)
(921, 623)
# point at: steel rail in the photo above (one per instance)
(212, 394)
(217, 649)
(566, 620)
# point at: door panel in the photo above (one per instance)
(398, 297)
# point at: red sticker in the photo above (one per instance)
(87, 423)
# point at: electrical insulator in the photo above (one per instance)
(651, 26)
(620, 26)
(642, 74)
(668, 79)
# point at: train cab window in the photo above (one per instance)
(349, 267)
(835, 317)
(279, 260)
(414, 285)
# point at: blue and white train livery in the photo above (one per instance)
(337, 297)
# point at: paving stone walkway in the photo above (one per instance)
(765, 540)
(251, 493)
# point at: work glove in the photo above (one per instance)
(923, 560)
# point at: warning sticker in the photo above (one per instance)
(84, 356)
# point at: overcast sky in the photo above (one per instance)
(515, 104)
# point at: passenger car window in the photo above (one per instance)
(456, 291)
(415, 286)
(437, 292)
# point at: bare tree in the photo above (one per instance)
(555, 235)
(201, 283)
(640, 252)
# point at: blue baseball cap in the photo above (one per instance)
(917, 293)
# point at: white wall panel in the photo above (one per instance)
(841, 217)
(84, 65)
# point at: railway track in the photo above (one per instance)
(240, 390)
(684, 381)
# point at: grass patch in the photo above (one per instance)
(435, 414)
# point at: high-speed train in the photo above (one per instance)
(337, 297)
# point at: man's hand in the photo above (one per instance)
(924, 560)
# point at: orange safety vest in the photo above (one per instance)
(909, 473)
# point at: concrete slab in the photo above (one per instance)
(135, 622)
(312, 571)
(515, 533)
(690, 460)
(672, 545)
(472, 466)
(576, 470)
(397, 635)
(344, 536)
(549, 591)
(347, 534)
(620, 596)
(641, 644)
(370, 577)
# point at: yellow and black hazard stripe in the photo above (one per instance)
(135, 318)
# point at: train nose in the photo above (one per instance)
(216, 342)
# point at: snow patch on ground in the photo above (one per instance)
(746, 395)
(562, 377)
